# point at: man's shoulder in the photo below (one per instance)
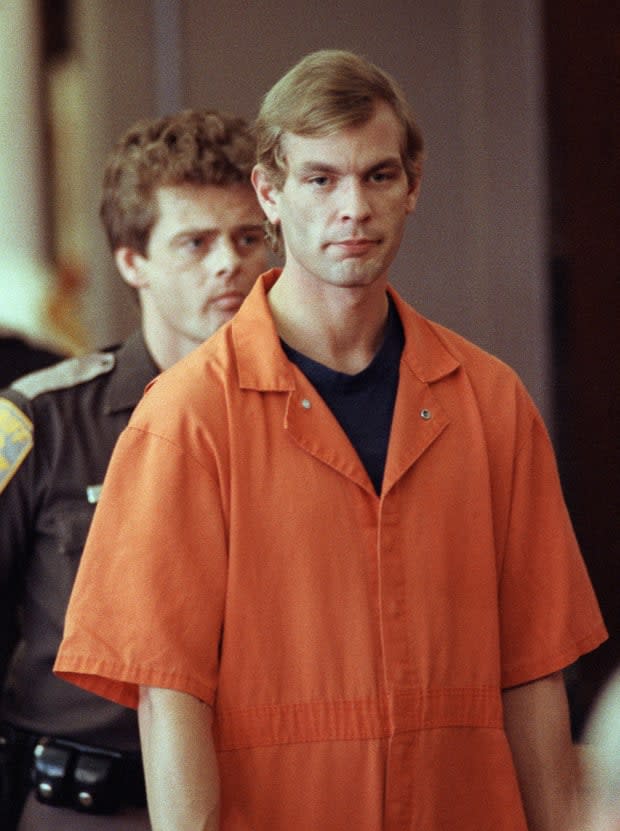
(493, 388)
(212, 359)
(438, 346)
(39, 409)
(467, 351)
(437, 353)
(192, 394)
(66, 375)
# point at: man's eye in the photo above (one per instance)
(319, 181)
(382, 176)
(250, 240)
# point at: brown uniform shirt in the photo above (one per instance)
(57, 430)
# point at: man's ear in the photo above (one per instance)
(129, 264)
(414, 192)
(267, 193)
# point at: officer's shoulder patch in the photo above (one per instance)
(15, 440)
(65, 374)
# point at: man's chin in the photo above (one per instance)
(216, 321)
(358, 275)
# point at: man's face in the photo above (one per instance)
(204, 254)
(344, 203)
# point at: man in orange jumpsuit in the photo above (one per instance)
(347, 577)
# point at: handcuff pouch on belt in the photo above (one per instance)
(80, 777)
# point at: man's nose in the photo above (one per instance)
(224, 259)
(355, 205)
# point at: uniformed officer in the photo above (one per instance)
(186, 233)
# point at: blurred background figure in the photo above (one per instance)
(42, 269)
(602, 762)
(30, 337)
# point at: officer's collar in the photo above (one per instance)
(134, 369)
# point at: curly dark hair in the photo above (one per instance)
(201, 147)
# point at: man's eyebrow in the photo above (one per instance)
(389, 161)
(250, 226)
(316, 167)
(310, 167)
(199, 231)
(196, 231)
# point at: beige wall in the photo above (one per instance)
(475, 256)
(114, 43)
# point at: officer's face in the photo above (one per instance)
(204, 254)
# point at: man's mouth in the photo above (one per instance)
(229, 301)
(356, 246)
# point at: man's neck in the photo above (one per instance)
(341, 328)
(164, 347)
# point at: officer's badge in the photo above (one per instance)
(15, 440)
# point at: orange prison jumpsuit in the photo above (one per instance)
(354, 647)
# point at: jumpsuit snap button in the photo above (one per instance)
(305, 404)
(425, 414)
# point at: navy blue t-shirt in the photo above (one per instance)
(363, 403)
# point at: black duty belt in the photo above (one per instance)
(75, 775)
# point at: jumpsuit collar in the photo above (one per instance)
(267, 368)
(263, 366)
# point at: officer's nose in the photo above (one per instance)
(224, 259)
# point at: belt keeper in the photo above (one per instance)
(96, 783)
(52, 770)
